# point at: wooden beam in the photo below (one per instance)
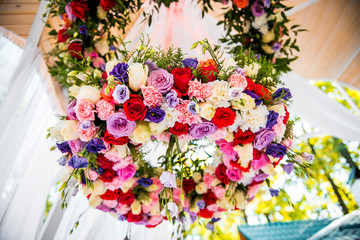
(21, 8)
(16, 19)
(22, 29)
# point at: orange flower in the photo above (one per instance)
(208, 63)
(241, 3)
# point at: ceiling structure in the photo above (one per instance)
(330, 50)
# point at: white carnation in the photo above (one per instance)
(255, 118)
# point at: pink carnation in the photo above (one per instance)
(84, 110)
(208, 178)
(238, 81)
(115, 184)
(91, 174)
(280, 127)
(219, 192)
(104, 109)
(110, 203)
(220, 133)
(124, 162)
(185, 116)
(152, 97)
(234, 174)
(213, 207)
(86, 133)
(199, 91)
(122, 209)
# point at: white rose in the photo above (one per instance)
(68, 130)
(157, 128)
(101, 13)
(102, 46)
(95, 200)
(137, 75)
(89, 93)
(197, 177)
(201, 188)
(279, 108)
(55, 131)
(246, 103)
(245, 154)
(141, 133)
(207, 110)
(73, 90)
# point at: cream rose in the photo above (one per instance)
(136, 207)
(141, 133)
(68, 130)
(157, 128)
(89, 93)
(246, 103)
(207, 110)
(99, 187)
(73, 90)
(95, 200)
(137, 75)
(201, 188)
(102, 46)
(197, 177)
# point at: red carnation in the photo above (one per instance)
(179, 129)
(127, 198)
(62, 35)
(134, 108)
(188, 185)
(208, 74)
(220, 173)
(182, 77)
(113, 140)
(205, 213)
(134, 217)
(79, 8)
(223, 117)
(76, 50)
(243, 138)
(108, 175)
(250, 84)
(106, 5)
(103, 162)
(109, 195)
(209, 198)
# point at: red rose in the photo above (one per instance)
(262, 91)
(108, 175)
(209, 198)
(79, 8)
(109, 195)
(208, 74)
(134, 217)
(106, 5)
(134, 108)
(127, 198)
(113, 140)
(182, 77)
(205, 213)
(76, 50)
(62, 35)
(286, 118)
(188, 185)
(220, 173)
(179, 129)
(103, 162)
(223, 117)
(104, 75)
(250, 84)
(243, 138)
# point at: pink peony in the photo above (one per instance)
(152, 97)
(234, 174)
(238, 81)
(124, 162)
(86, 130)
(104, 109)
(126, 173)
(84, 110)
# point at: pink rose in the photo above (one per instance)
(86, 130)
(126, 173)
(152, 97)
(238, 81)
(110, 203)
(122, 209)
(123, 163)
(104, 109)
(219, 192)
(220, 133)
(234, 174)
(84, 110)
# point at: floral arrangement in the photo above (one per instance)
(151, 96)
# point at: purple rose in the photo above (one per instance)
(83, 30)
(288, 168)
(168, 179)
(276, 46)
(276, 150)
(263, 138)
(76, 145)
(257, 9)
(155, 115)
(274, 192)
(121, 93)
(120, 71)
(162, 80)
(172, 98)
(64, 147)
(95, 145)
(78, 162)
(71, 111)
(256, 97)
(283, 93)
(260, 177)
(118, 125)
(190, 63)
(200, 204)
(193, 108)
(152, 65)
(69, 12)
(272, 119)
(145, 182)
(201, 130)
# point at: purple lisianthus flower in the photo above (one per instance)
(152, 65)
(190, 63)
(161, 79)
(118, 125)
(120, 71)
(240, 71)
(201, 130)
(85, 125)
(168, 179)
(83, 30)
(103, 67)
(76, 145)
(288, 168)
(260, 177)
(276, 150)
(257, 56)
(201, 204)
(70, 112)
(121, 93)
(263, 138)
(284, 93)
(193, 108)
(267, 3)
(155, 115)
(95, 145)
(272, 119)
(308, 157)
(62, 161)
(122, 217)
(256, 97)
(276, 46)
(145, 182)
(103, 208)
(210, 226)
(112, 48)
(78, 162)
(274, 192)
(172, 208)
(69, 12)
(257, 9)
(64, 147)
(172, 98)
